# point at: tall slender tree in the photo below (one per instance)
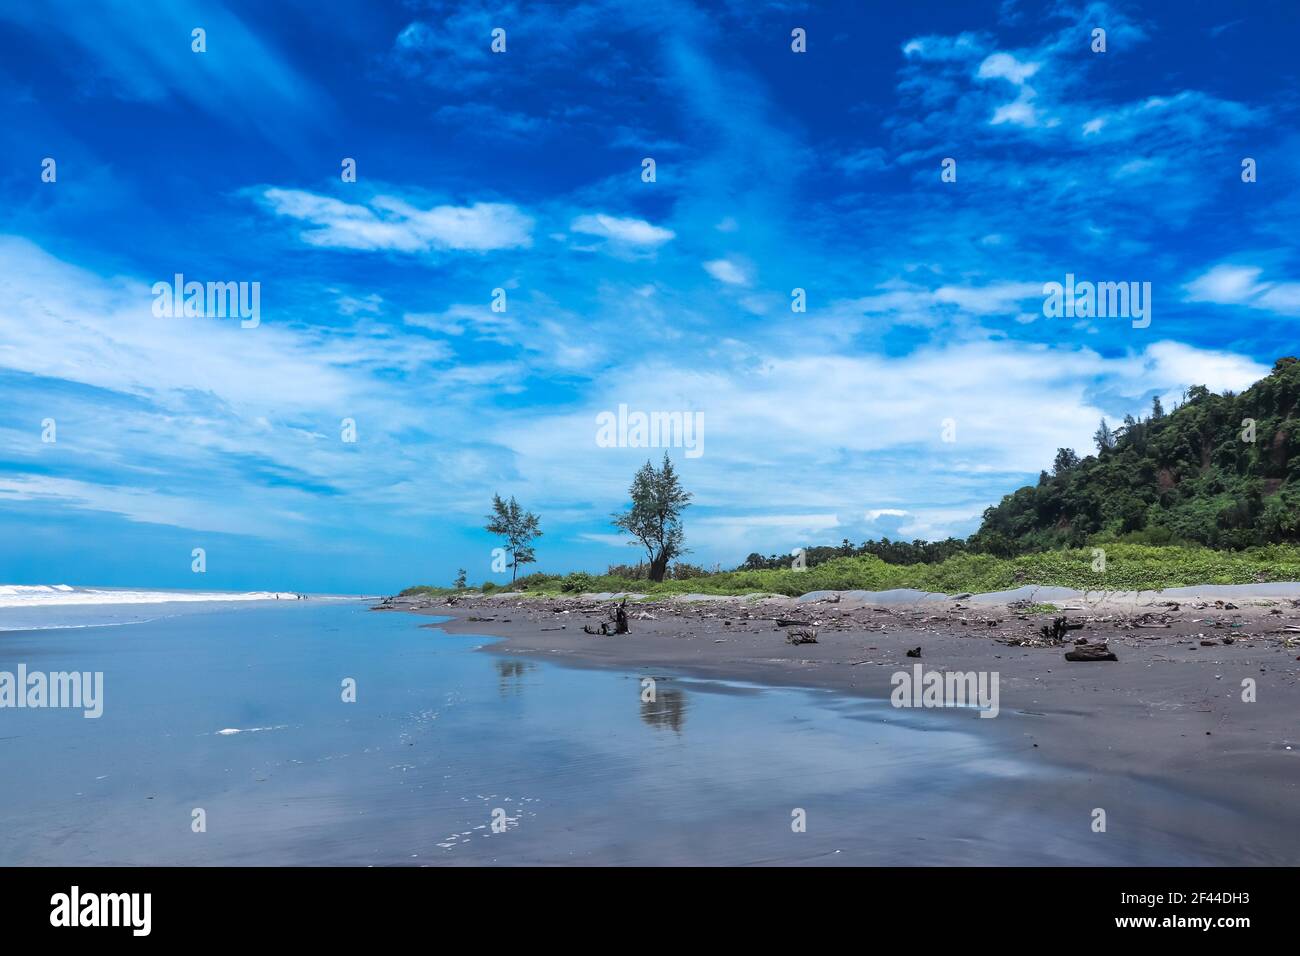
(1104, 437)
(519, 528)
(655, 518)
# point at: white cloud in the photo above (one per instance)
(725, 270)
(172, 408)
(1007, 67)
(1227, 284)
(391, 223)
(964, 46)
(1001, 297)
(1019, 112)
(144, 505)
(634, 232)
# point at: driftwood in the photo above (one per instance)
(1091, 652)
(914, 652)
(1055, 632)
(617, 623)
(802, 635)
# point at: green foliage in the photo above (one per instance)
(1191, 476)
(425, 590)
(537, 581)
(1128, 567)
(579, 581)
(519, 528)
(891, 552)
(655, 518)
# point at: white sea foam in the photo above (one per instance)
(231, 731)
(61, 595)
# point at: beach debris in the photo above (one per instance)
(961, 597)
(617, 623)
(801, 635)
(1091, 652)
(1055, 632)
(914, 652)
(1209, 643)
(795, 622)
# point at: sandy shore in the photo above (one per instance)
(1169, 712)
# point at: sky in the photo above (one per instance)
(922, 382)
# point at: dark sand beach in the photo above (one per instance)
(1168, 718)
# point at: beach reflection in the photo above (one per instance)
(667, 710)
(510, 675)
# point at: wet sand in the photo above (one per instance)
(1167, 715)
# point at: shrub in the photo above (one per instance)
(578, 581)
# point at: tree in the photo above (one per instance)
(1157, 410)
(1104, 437)
(460, 579)
(518, 527)
(655, 518)
(1065, 460)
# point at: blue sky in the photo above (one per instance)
(522, 171)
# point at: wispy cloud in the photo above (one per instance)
(389, 222)
(1227, 284)
(625, 231)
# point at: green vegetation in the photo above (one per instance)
(655, 518)
(519, 528)
(891, 552)
(1220, 470)
(1128, 567)
(1208, 493)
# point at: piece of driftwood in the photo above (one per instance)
(617, 623)
(1056, 631)
(914, 652)
(801, 635)
(1091, 652)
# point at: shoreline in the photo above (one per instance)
(1169, 713)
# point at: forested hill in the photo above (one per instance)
(1191, 475)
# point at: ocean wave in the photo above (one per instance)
(63, 595)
